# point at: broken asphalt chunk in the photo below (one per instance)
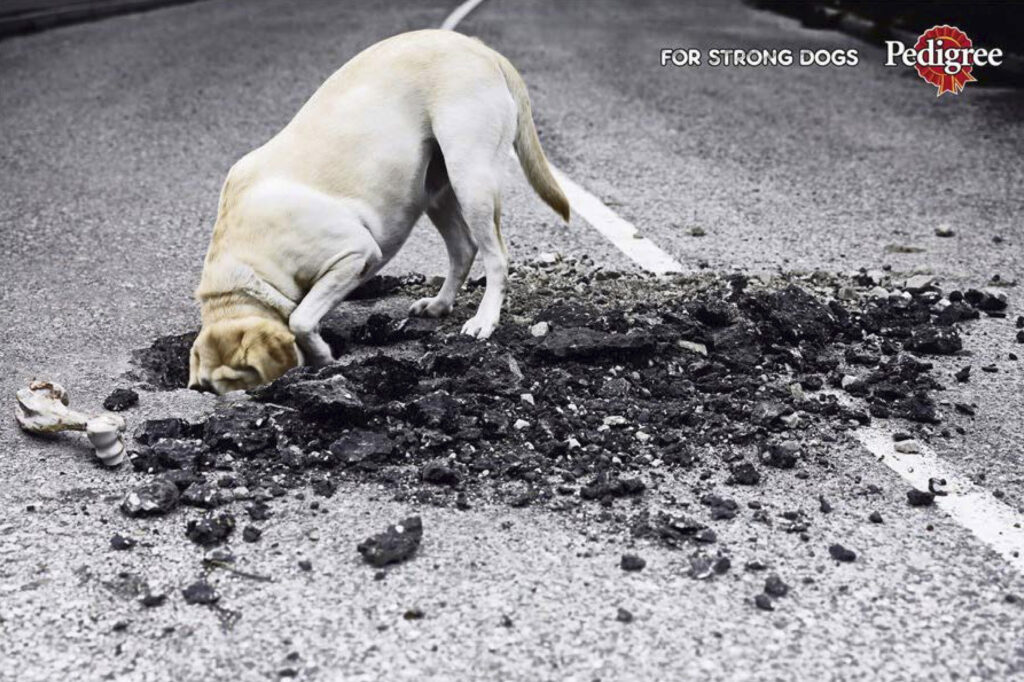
(396, 544)
(840, 553)
(155, 498)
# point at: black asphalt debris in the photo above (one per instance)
(632, 562)
(920, 498)
(840, 553)
(121, 399)
(210, 530)
(636, 379)
(152, 600)
(200, 592)
(775, 587)
(158, 496)
(396, 544)
(121, 543)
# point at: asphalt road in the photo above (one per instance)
(114, 140)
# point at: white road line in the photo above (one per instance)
(459, 13)
(995, 523)
(621, 233)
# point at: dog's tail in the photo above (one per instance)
(527, 145)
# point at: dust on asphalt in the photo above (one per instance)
(597, 388)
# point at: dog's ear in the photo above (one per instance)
(269, 348)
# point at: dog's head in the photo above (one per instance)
(238, 354)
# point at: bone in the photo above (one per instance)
(43, 408)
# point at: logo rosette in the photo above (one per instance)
(945, 38)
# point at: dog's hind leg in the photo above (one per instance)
(475, 140)
(446, 215)
(477, 192)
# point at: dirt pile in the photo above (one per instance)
(594, 383)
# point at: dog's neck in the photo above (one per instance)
(240, 292)
(236, 304)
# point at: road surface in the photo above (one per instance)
(116, 136)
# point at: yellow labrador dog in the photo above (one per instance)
(418, 122)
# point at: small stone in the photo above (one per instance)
(918, 283)
(875, 517)
(775, 587)
(840, 553)
(745, 474)
(438, 473)
(763, 602)
(623, 616)
(398, 543)
(824, 505)
(697, 231)
(934, 340)
(155, 498)
(908, 447)
(251, 534)
(121, 399)
(962, 375)
(706, 535)
(306, 565)
(632, 562)
(547, 258)
(200, 592)
(219, 555)
(258, 511)
(540, 329)
(415, 613)
(693, 347)
(965, 409)
(920, 498)
(944, 231)
(211, 529)
(150, 600)
(121, 543)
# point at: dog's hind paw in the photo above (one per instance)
(479, 327)
(430, 307)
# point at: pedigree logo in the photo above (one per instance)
(943, 56)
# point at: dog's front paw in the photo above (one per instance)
(479, 327)
(430, 307)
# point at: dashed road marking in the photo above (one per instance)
(622, 233)
(459, 13)
(993, 522)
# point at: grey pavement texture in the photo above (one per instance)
(114, 139)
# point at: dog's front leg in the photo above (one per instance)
(328, 291)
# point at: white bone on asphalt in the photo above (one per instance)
(43, 408)
(106, 433)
